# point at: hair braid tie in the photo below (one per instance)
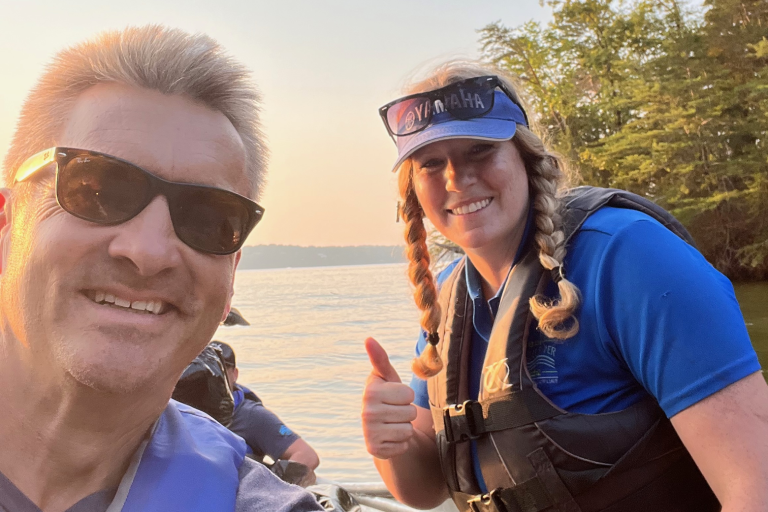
(557, 274)
(429, 363)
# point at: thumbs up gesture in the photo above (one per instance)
(387, 407)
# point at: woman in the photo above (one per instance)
(553, 354)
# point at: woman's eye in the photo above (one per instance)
(479, 149)
(430, 165)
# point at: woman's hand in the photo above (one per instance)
(400, 436)
(387, 407)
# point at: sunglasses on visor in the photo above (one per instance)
(462, 100)
(108, 190)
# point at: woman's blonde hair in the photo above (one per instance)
(556, 317)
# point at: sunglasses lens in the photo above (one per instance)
(212, 220)
(466, 100)
(100, 189)
(409, 116)
(462, 100)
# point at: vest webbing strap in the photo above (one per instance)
(472, 419)
(543, 491)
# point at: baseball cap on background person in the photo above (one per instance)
(228, 355)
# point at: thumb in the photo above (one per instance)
(380, 361)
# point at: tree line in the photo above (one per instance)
(662, 99)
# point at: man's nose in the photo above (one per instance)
(148, 240)
(458, 176)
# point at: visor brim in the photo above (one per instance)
(481, 128)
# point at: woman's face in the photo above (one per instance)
(474, 192)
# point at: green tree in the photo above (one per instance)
(649, 97)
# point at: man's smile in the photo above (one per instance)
(154, 306)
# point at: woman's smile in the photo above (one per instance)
(470, 206)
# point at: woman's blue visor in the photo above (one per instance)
(500, 123)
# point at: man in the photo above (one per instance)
(262, 430)
(118, 261)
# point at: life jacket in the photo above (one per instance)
(534, 456)
(190, 462)
(204, 385)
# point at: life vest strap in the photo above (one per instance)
(545, 491)
(528, 496)
(472, 419)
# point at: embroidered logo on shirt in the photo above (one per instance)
(285, 431)
(541, 361)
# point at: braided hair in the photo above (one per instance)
(556, 317)
(425, 290)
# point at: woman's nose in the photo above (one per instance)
(458, 176)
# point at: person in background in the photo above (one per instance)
(264, 432)
(581, 356)
(131, 183)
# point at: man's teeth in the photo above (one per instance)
(472, 207)
(152, 306)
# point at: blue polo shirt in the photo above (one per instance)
(655, 318)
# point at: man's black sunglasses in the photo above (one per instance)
(466, 99)
(108, 190)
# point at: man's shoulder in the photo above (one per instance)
(260, 490)
(248, 407)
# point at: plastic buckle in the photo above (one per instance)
(487, 503)
(463, 421)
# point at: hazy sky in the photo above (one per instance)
(324, 68)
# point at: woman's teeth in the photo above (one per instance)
(153, 306)
(472, 207)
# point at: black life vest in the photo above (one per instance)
(204, 386)
(535, 456)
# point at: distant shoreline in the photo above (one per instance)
(359, 265)
(265, 257)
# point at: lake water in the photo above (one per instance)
(303, 352)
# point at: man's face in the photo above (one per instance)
(58, 263)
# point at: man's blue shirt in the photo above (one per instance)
(656, 318)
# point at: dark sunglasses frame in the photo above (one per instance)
(489, 81)
(173, 192)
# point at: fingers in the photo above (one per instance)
(380, 361)
(388, 440)
(388, 414)
(387, 407)
(392, 393)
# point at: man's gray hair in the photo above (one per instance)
(153, 57)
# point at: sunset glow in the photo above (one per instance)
(324, 69)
